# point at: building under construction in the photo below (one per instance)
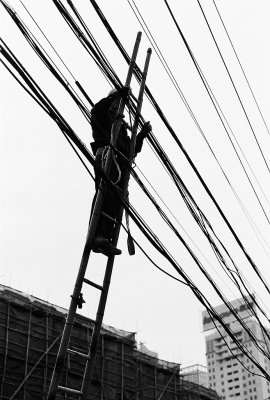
(30, 332)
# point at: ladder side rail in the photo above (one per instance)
(138, 110)
(107, 277)
(59, 364)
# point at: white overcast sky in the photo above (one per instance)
(46, 193)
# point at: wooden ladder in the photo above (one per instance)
(76, 297)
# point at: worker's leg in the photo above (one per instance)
(105, 226)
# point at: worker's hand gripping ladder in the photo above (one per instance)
(76, 297)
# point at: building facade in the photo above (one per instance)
(195, 374)
(230, 373)
(30, 333)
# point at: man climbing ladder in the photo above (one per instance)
(104, 114)
(91, 244)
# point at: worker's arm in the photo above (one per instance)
(146, 129)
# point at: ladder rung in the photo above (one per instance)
(77, 353)
(69, 390)
(93, 284)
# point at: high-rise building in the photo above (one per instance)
(195, 374)
(231, 373)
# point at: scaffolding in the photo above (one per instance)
(30, 332)
(195, 373)
(194, 384)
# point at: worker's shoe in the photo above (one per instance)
(102, 245)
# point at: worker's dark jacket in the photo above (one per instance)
(101, 129)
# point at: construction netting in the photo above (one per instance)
(30, 332)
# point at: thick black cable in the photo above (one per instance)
(46, 59)
(193, 210)
(53, 113)
(60, 58)
(177, 234)
(233, 354)
(213, 246)
(172, 78)
(148, 233)
(97, 57)
(138, 74)
(20, 83)
(221, 259)
(197, 292)
(90, 36)
(214, 102)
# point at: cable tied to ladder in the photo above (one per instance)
(130, 241)
(103, 152)
(117, 167)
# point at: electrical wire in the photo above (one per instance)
(212, 245)
(64, 126)
(214, 102)
(241, 66)
(237, 94)
(173, 80)
(162, 116)
(95, 55)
